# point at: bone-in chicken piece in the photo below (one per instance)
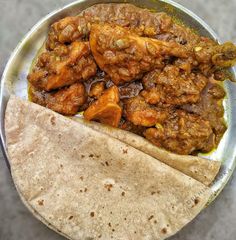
(63, 66)
(219, 55)
(106, 109)
(125, 56)
(67, 30)
(66, 101)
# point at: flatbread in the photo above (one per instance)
(201, 169)
(91, 186)
(39, 217)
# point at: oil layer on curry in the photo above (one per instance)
(137, 70)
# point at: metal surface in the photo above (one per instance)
(14, 78)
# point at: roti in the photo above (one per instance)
(88, 185)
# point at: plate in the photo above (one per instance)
(14, 78)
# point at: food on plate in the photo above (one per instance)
(66, 31)
(201, 169)
(66, 101)
(63, 66)
(106, 109)
(88, 185)
(183, 132)
(125, 56)
(167, 78)
(173, 86)
(138, 112)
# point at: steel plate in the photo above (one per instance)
(14, 77)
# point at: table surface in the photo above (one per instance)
(217, 222)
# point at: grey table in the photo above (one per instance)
(217, 222)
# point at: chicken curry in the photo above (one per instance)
(137, 70)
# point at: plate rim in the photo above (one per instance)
(26, 37)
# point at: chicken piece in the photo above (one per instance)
(63, 66)
(125, 56)
(143, 20)
(210, 108)
(182, 133)
(106, 109)
(67, 30)
(173, 86)
(137, 111)
(218, 55)
(66, 101)
(225, 55)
